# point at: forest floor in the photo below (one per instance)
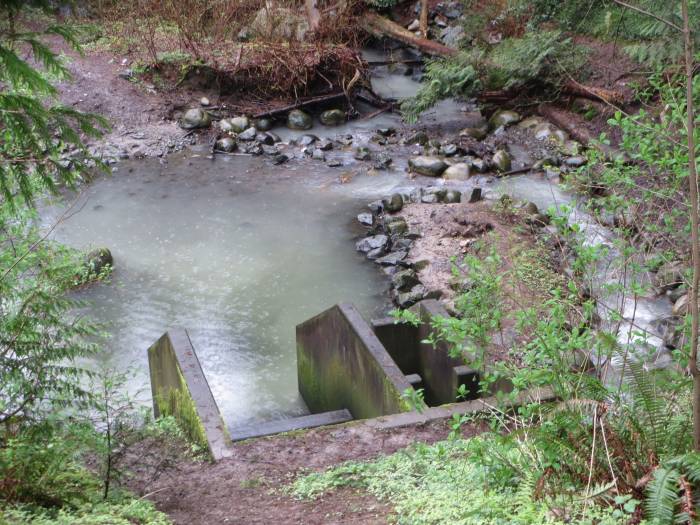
(249, 488)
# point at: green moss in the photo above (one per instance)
(178, 403)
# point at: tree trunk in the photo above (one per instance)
(382, 27)
(695, 240)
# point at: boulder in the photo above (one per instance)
(239, 124)
(480, 165)
(461, 171)
(332, 117)
(299, 120)
(670, 275)
(263, 124)
(307, 140)
(226, 144)
(195, 118)
(502, 161)
(429, 166)
(98, 261)
(362, 153)
(393, 203)
(504, 118)
(407, 299)
(375, 242)
(248, 135)
(395, 226)
(318, 154)
(383, 161)
(452, 196)
(392, 259)
(449, 150)
(475, 133)
(404, 280)
(366, 219)
(680, 307)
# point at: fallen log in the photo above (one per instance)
(299, 104)
(566, 121)
(382, 27)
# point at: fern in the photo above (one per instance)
(662, 496)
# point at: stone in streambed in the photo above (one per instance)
(236, 124)
(307, 140)
(395, 226)
(504, 118)
(374, 242)
(429, 166)
(366, 219)
(98, 261)
(452, 196)
(392, 259)
(299, 120)
(393, 203)
(248, 135)
(460, 171)
(226, 144)
(332, 117)
(502, 161)
(263, 124)
(362, 153)
(404, 280)
(195, 118)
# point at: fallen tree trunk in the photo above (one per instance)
(382, 27)
(566, 121)
(299, 104)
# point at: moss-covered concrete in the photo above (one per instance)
(180, 390)
(342, 364)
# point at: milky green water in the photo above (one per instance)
(235, 250)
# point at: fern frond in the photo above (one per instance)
(662, 496)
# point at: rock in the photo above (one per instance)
(362, 153)
(248, 135)
(413, 26)
(670, 329)
(530, 208)
(420, 137)
(263, 124)
(239, 124)
(433, 195)
(318, 154)
(307, 140)
(392, 259)
(299, 120)
(332, 117)
(264, 138)
(334, 163)
(273, 24)
(453, 196)
(280, 158)
(480, 165)
(395, 226)
(680, 307)
(275, 137)
(449, 150)
(375, 242)
(575, 162)
(195, 118)
(452, 36)
(461, 171)
(430, 166)
(404, 280)
(530, 123)
(376, 207)
(98, 261)
(270, 150)
(204, 101)
(393, 203)
(226, 144)
(386, 132)
(475, 195)
(502, 161)
(324, 145)
(669, 275)
(366, 219)
(378, 139)
(407, 299)
(383, 161)
(475, 133)
(503, 118)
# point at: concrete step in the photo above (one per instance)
(278, 426)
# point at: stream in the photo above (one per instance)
(239, 251)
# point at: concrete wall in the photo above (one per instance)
(441, 374)
(180, 390)
(342, 364)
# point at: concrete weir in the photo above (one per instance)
(348, 369)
